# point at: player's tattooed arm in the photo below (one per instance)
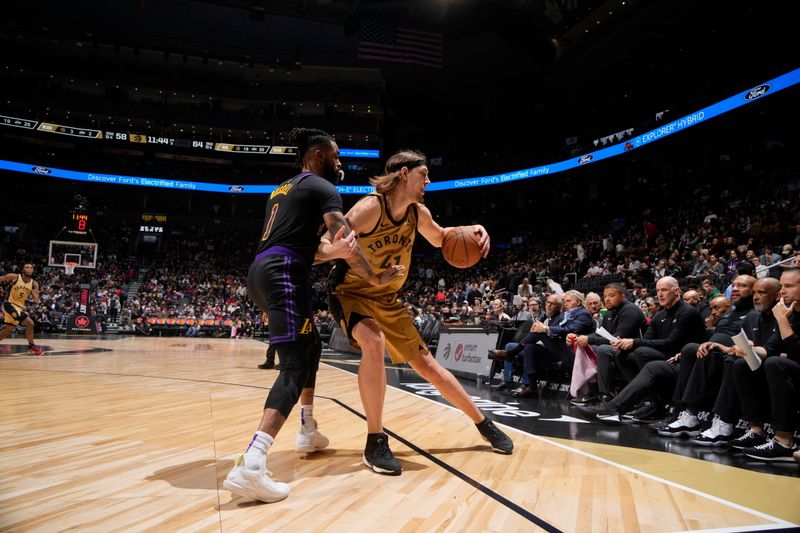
(338, 227)
(340, 244)
(35, 292)
(362, 217)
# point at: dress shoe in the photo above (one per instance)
(503, 385)
(646, 413)
(526, 392)
(498, 354)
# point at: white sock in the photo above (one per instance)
(256, 455)
(307, 417)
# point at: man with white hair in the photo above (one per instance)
(553, 307)
(547, 343)
(593, 305)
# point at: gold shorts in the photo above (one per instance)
(402, 338)
(13, 315)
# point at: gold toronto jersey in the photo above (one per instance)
(19, 292)
(389, 243)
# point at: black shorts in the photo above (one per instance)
(279, 284)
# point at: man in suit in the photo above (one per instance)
(554, 304)
(548, 343)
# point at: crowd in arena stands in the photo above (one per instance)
(197, 285)
(60, 293)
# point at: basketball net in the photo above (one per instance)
(69, 268)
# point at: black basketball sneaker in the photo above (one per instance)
(379, 457)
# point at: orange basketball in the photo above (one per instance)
(460, 247)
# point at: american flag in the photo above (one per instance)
(384, 41)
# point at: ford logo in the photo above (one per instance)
(235, 188)
(757, 92)
(585, 159)
(42, 170)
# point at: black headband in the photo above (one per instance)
(413, 164)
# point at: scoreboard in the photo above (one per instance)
(143, 138)
(152, 229)
(79, 222)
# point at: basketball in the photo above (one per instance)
(460, 247)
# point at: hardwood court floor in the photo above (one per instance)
(142, 436)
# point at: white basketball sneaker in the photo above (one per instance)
(309, 441)
(255, 484)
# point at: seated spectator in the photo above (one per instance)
(622, 320)
(692, 297)
(193, 330)
(732, 266)
(768, 257)
(672, 328)
(660, 270)
(741, 386)
(593, 305)
(641, 294)
(535, 308)
(522, 312)
(547, 343)
(761, 271)
(788, 257)
(698, 264)
(594, 270)
(499, 311)
(783, 373)
(525, 289)
(245, 330)
(714, 267)
(673, 268)
(553, 306)
(702, 365)
(709, 290)
(652, 308)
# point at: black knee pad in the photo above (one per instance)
(295, 368)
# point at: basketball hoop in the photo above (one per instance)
(69, 268)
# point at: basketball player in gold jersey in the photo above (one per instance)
(386, 223)
(14, 307)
